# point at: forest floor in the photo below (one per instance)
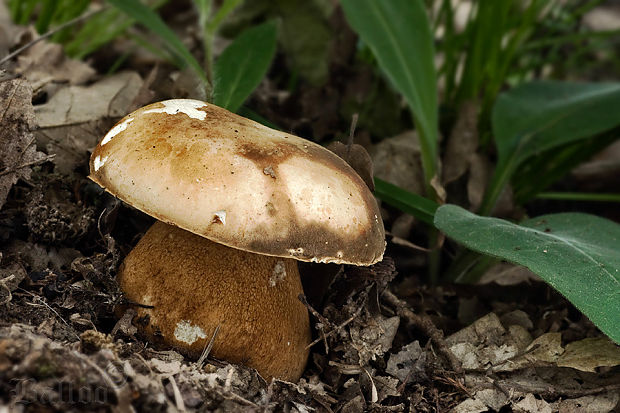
(386, 340)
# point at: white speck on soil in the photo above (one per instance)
(188, 333)
(188, 106)
(278, 274)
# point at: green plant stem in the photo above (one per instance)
(579, 196)
(434, 256)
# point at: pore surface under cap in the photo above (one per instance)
(239, 183)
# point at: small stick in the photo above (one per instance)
(351, 136)
(50, 33)
(324, 321)
(207, 349)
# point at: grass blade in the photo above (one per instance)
(399, 34)
(540, 116)
(416, 205)
(151, 20)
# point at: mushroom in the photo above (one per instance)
(238, 204)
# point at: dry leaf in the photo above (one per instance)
(590, 353)
(108, 98)
(397, 160)
(531, 404)
(17, 144)
(357, 157)
(462, 143)
(506, 274)
(598, 403)
(76, 117)
(408, 362)
(479, 173)
(45, 62)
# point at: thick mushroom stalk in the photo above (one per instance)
(195, 285)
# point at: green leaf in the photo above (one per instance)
(577, 254)
(399, 34)
(242, 66)
(539, 116)
(151, 20)
(414, 204)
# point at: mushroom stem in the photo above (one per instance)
(195, 285)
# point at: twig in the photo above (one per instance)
(324, 322)
(25, 164)
(207, 349)
(178, 399)
(341, 326)
(36, 297)
(427, 326)
(6, 287)
(50, 33)
(351, 136)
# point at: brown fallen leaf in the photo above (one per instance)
(462, 143)
(397, 160)
(45, 63)
(73, 120)
(109, 97)
(356, 156)
(18, 152)
(590, 353)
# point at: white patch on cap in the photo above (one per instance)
(188, 333)
(98, 162)
(219, 216)
(115, 131)
(278, 274)
(188, 106)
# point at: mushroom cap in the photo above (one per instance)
(193, 285)
(239, 183)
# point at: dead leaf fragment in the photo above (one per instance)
(358, 158)
(406, 362)
(531, 404)
(110, 97)
(590, 353)
(74, 119)
(462, 143)
(45, 62)
(18, 151)
(397, 160)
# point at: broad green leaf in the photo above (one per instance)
(577, 254)
(151, 20)
(536, 117)
(242, 66)
(399, 34)
(414, 204)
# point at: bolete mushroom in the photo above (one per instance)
(238, 204)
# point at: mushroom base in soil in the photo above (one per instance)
(193, 285)
(239, 203)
